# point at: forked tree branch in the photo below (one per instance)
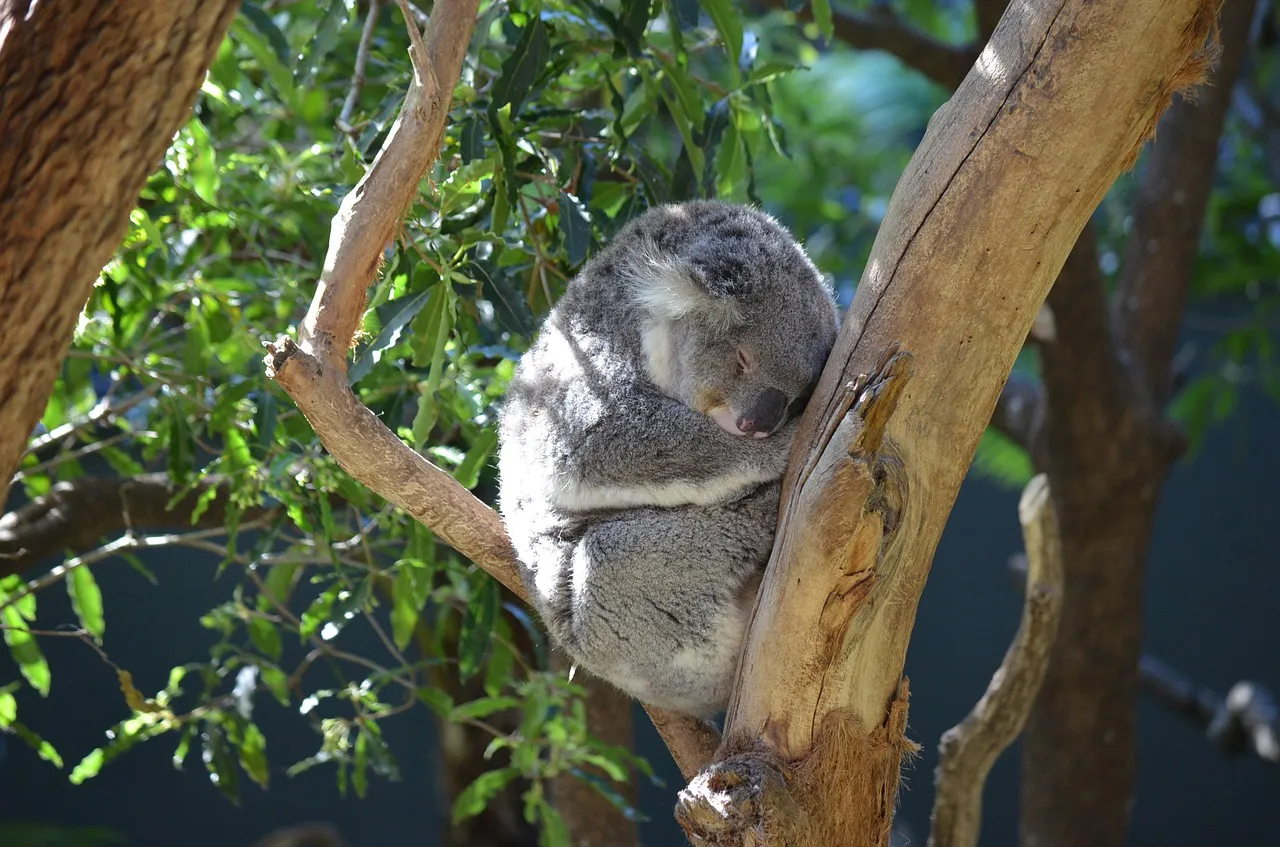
(969, 749)
(313, 370)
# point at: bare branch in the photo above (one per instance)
(1160, 253)
(76, 515)
(882, 29)
(969, 749)
(357, 71)
(692, 741)
(1246, 721)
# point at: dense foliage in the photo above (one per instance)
(573, 117)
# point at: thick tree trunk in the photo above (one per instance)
(91, 92)
(1108, 450)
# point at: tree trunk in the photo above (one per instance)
(91, 92)
(1108, 450)
(1008, 173)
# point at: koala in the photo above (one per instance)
(643, 440)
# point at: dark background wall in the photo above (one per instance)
(1214, 586)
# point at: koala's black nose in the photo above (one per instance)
(766, 413)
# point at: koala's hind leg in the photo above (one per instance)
(657, 600)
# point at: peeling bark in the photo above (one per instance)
(91, 92)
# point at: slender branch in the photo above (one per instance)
(357, 71)
(1247, 720)
(882, 29)
(1160, 253)
(969, 749)
(77, 514)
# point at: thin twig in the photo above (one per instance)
(357, 71)
(969, 749)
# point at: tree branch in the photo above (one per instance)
(969, 749)
(1247, 720)
(981, 222)
(882, 29)
(313, 370)
(1161, 250)
(74, 516)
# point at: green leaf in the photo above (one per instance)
(253, 754)
(197, 352)
(8, 708)
(202, 166)
(477, 626)
(360, 771)
(472, 800)
(388, 336)
(521, 67)
(26, 652)
(265, 637)
(468, 472)
(86, 600)
(483, 707)
(472, 142)
(685, 13)
(43, 748)
(554, 832)
(88, 767)
(822, 17)
(729, 24)
(437, 700)
(575, 224)
(266, 27)
(409, 594)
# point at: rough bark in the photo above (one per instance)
(1108, 450)
(979, 226)
(91, 92)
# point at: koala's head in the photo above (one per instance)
(735, 319)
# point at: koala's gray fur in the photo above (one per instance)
(641, 455)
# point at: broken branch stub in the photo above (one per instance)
(969, 749)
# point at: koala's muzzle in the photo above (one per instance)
(764, 415)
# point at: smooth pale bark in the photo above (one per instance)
(91, 92)
(1008, 173)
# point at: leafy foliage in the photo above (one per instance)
(572, 117)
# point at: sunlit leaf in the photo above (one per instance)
(86, 600)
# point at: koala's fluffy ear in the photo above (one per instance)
(669, 289)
